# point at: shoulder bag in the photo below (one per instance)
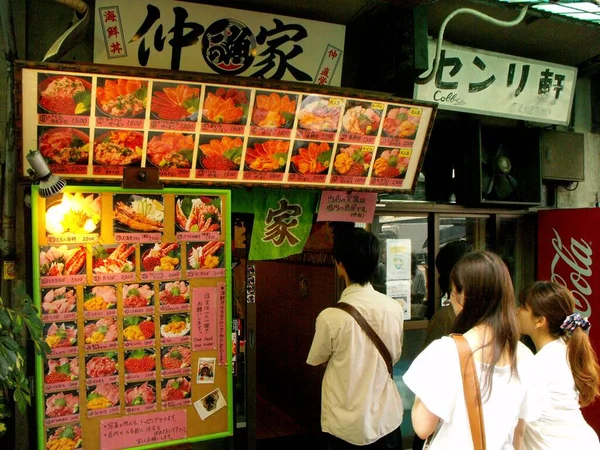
(387, 357)
(472, 392)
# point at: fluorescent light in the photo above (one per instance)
(583, 16)
(555, 9)
(586, 6)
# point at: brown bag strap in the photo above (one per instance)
(387, 357)
(472, 391)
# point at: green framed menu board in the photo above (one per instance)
(134, 289)
(198, 129)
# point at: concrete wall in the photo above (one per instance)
(585, 193)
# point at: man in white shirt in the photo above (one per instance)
(360, 403)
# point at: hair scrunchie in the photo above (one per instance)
(573, 321)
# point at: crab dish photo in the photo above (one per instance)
(62, 261)
(206, 256)
(202, 214)
(114, 260)
(161, 257)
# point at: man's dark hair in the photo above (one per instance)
(358, 250)
(445, 260)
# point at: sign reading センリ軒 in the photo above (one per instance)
(202, 38)
(477, 81)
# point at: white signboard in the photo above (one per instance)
(400, 290)
(163, 34)
(480, 82)
(397, 259)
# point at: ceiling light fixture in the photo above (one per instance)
(49, 184)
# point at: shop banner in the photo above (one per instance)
(200, 38)
(282, 223)
(566, 256)
(475, 81)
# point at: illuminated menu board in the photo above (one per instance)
(134, 292)
(91, 125)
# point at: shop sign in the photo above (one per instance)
(566, 241)
(343, 206)
(476, 81)
(200, 38)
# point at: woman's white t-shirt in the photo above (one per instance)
(561, 424)
(434, 377)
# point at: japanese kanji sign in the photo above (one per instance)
(201, 38)
(494, 84)
(282, 223)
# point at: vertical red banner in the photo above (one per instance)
(565, 255)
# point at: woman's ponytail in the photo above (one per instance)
(584, 366)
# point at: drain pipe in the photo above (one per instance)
(7, 154)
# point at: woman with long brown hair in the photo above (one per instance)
(568, 368)
(481, 284)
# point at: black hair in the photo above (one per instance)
(358, 251)
(445, 260)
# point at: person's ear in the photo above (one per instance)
(541, 322)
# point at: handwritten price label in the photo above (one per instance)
(377, 106)
(416, 112)
(335, 102)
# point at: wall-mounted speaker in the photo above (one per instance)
(562, 155)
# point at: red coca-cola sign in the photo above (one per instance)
(566, 256)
